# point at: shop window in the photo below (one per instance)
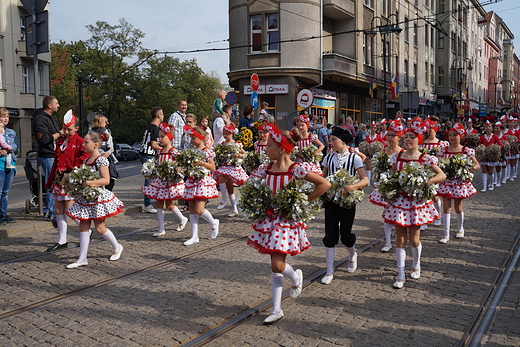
(374, 110)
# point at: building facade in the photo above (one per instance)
(423, 57)
(17, 73)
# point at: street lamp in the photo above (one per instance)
(495, 83)
(458, 75)
(389, 28)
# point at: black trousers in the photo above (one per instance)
(338, 222)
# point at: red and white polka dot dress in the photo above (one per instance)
(430, 146)
(274, 233)
(259, 147)
(237, 173)
(404, 210)
(158, 189)
(375, 196)
(312, 167)
(454, 188)
(201, 188)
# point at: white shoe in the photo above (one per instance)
(77, 264)
(490, 188)
(221, 206)
(415, 274)
(352, 265)
(437, 222)
(273, 318)
(483, 190)
(295, 292)
(149, 209)
(327, 279)
(386, 248)
(511, 179)
(191, 242)
(232, 214)
(398, 284)
(182, 224)
(214, 230)
(504, 181)
(497, 185)
(117, 255)
(444, 240)
(160, 233)
(460, 234)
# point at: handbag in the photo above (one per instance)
(112, 167)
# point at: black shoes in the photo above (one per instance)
(8, 219)
(57, 246)
(54, 223)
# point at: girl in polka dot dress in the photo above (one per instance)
(106, 205)
(198, 190)
(488, 167)
(307, 138)
(229, 174)
(454, 188)
(166, 192)
(405, 212)
(276, 235)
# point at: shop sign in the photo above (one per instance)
(268, 89)
(325, 94)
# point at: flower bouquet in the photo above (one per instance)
(492, 153)
(187, 160)
(245, 137)
(432, 151)
(169, 171)
(513, 140)
(338, 181)
(388, 185)
(370, 149)
(224, 154)
(413, 178)
(470, 140)
(459, 166)
(252, 160)
(480, 153)
(149, 169)
(72, 183)
(292, 201)
(506, 147)
(255, 199)
(380, 163)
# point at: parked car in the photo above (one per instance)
(136, 146)
(124, 152)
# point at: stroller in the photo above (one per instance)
(31, 172)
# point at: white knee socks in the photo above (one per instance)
(416, 251)
(160, 219)
(61, 220)
(177, 213)
(484, 181)
(194, 225)
(369, 175)
(84, 241)
(208, 217)
(291, 275)
(276, 290)
(223, 190)
(351, 252)
(460, 221)
(109, 236)
(329, 260)
(447, 220)
(388, 234)
(233, 202)
(400, 255)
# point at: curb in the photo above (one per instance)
(34, 226)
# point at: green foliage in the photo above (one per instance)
(123, 81)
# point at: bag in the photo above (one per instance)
(112, 167)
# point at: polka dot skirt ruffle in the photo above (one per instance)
(237, 174)
(200, 189)
(107, 205)
(157, 189)
(406, 211)
(456, 189)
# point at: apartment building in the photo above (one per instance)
(17, 72)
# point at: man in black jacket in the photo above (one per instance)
(47, 130)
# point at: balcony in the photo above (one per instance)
(334, 61)
(339, 9)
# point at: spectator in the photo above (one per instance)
(149, 148)
(349, 126)
(323, 136)
(178, 120)
(218, 104)
(247, 121)
(220, 122)
(263, 110)
(99, 125)
(6, 175)
(204, 124)
(47, 131)
(361, 134)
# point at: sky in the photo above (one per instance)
(174, 25)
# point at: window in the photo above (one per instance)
(440, 74)
(264, 33)
(426, 73)
(432, 81)
(415, 34)
(25, 79)
(22, 28)
(414, 77)
(426, 35)
(406, 35)
(406, 72)
(432, 37)
(385, 8)
(440, 44)
(369, 3)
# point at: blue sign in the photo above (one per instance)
(254, 100)
(231, 98)
(482, 110)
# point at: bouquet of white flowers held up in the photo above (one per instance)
(72, 183)
(336, 193)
